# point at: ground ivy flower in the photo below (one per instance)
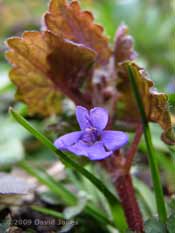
(92, 141)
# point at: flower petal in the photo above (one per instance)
(82, 115)
(79, 148)
(65, 141)
(113, 140)
(98, 152)
(99, 117)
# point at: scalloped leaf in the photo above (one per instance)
(44, 65)
(68, 20)
(124, 45)
(155, 103)
(28, 55)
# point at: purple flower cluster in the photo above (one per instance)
(92, 141)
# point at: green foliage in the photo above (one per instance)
(171, 224)
(154, 226)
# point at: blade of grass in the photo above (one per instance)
(47, 211)
(151, 152)
(61, 192)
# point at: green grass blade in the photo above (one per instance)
(116, 208)
(47, 211)
(151, 152)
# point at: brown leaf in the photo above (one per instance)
(38, 76)
(71, 64)
(155, 103)
(78, 26)
(28, 55)
(124, 48)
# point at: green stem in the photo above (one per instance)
(151, 152)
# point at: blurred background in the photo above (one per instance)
(150, 22)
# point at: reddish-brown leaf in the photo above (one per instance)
(155, 103)
(38, 76)
(124, 48)
(69, 63)
(68, 20)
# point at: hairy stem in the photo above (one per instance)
(122, 180)
(126, 193)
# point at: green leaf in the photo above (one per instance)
(171, 224)
(154, 226)
(114, 203)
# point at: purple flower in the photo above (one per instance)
(92, 141)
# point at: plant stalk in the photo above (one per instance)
(122, 180)
(125, 189)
